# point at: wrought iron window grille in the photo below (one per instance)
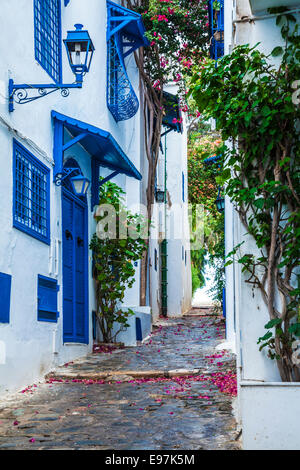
(31, 198)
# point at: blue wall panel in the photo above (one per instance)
(5, 290)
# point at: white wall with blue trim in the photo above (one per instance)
(30, 348)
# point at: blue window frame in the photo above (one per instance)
(5, 289)
(47, 299)
(47, 37)
(182, 186)
(31, 202)
(216, 20)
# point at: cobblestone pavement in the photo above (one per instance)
(190, 412)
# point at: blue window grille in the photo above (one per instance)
(47, 299)
(47, 37)
(5, 290)
(125, 34)
(121, 98)
(31, 205)
(216, 21)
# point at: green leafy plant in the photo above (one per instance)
(113, 259)
(252, 103)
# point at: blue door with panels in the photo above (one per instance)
(75, 269)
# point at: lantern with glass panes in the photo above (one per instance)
(80, 50)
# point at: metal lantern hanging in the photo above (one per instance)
(80, 185)
(160, 195)
(220, 202)
(80, 50)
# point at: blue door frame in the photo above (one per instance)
(75, 269)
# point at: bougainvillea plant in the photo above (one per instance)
(252, 103)
(113, 259)
(178, 35)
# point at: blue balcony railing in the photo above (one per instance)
(125, 34)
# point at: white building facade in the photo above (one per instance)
(46, 285)
(169, 283)
(268, 408)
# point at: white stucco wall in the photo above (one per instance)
(33, 347)
(265, 407)
(171, 224)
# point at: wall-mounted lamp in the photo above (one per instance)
(159, 196)
(220, 202)
(80, 183)
(80, 50)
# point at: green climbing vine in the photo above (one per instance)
(252, 102)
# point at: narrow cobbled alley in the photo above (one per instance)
(172, 392)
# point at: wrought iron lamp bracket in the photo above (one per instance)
(19, 93)
(60, 177)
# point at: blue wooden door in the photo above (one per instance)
(75, 269)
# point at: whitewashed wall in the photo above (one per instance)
(33, 347)
(265, 406)
(172, 226)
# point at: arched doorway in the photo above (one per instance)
(74, 262)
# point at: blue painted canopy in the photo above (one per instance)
(212, 160)
(128, 22)
(97, 142)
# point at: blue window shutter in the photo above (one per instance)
(138, 329)
(47, 299)
(31, 197)
(47, 37)
(5, 290)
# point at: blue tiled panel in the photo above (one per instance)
(31, 204)
(47, 36)
(5, 290)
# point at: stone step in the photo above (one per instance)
(121, 375)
